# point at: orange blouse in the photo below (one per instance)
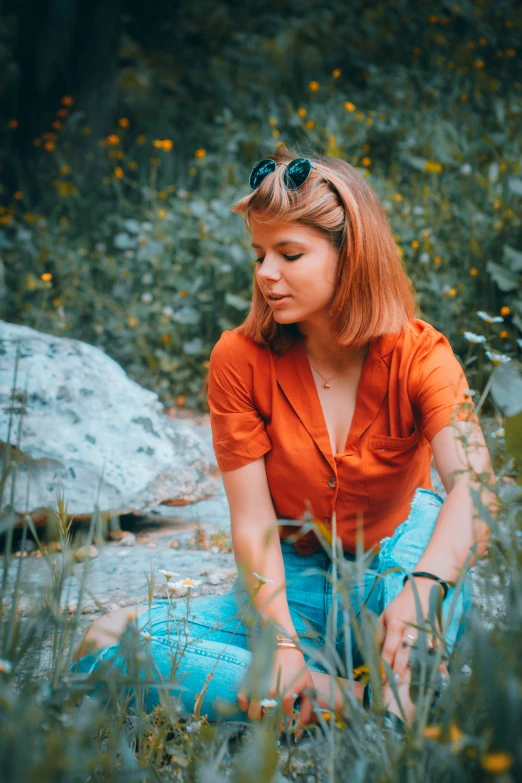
(260, 403)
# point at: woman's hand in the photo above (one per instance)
(295, 678)
(396, 631)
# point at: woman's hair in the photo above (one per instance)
(373, 294)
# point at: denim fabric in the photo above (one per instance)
(224, 651)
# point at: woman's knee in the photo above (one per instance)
(107, 629)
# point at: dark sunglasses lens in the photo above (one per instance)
(296, 173)
(260, 171)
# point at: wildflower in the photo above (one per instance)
(313, 86)
(5, 666)
(161, 213)
(165, 338)
(398, 197)
(366, 161)
(192, 171)
(147, 278)
(490, 319)
(302, 112)
(451, 292)
(473, 271)
(162, 194)
(167, 145)
(13, 124)
(158, 143)
(503, 334)
(132, 321)
(415, 244)
(183, 583)
(498, 433)
(133, 165)
(471, 337)
(349, 106)
(57, 124)
(465, 169)
(497, 358)
(123, 122)
(336, 73)
(49, 146)
(112, 139)
(310, 124)
(18, 195)
(432, 732)
(275, 133)
(455, 733)
(200, 153)
(359, 115)
(434, 166)
(496, 762)
(181, 400)
(424, 258)
(118, 172)
(46, 277)
(505, 310)
(65, 170)
(262, 579)
(147, 297)
(141, 138)
(67, 100)
(167, 574)
(146, 635)
(268, 703)
(272, 121)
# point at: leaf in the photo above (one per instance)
(513, 438)
(513, 257)
(515, 185)
(238, 302)
(506, 389)
(504, 278)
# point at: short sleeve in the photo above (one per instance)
(440, 388)
(239, 435)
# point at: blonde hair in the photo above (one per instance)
(373, 294)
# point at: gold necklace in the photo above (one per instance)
(325, 385)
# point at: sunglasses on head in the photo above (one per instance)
(296, 172)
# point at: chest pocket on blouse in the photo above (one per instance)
(390, 464)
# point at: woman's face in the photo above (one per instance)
(299, 263)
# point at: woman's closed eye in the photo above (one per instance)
(288, 258)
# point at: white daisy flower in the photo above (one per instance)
(262, 579)
(167, 574)
(268, 703)
(490, 319)
(147, 297)
(466, 169)
(424, 258)
(5, 666)
(146, 635)
(168, 311)
(497, 358)
(183, 583)
(471, 337)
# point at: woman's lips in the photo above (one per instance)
(278, 302)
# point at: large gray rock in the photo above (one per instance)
(91, 433)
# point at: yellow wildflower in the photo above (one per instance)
(133, 165)
(67, 100)
(349, 106)
(162, 194)
(313, 86)
(18, 195)
(479, 63)
(433, 166)
(505, 310)
(336, 73)
(123, 122)
(275, 133)
(57, 124)
(118, 172)
(359, 115)
(65, 169)
(496, 763)
(455, 733)
(473, 271)
(141, 138)
(503, 334)
(451, 292)
(192, 171)
(310, 124)
(302, 112)
(49, 146)
(57, 302)
(62, 113)
(112, 139)
(167, 145)
(200, 153)
(366, 161)
(398, 197)
(161, 213)
(432, 732)
(13, 124)
(272, 121)
(415, 244)
(510, 52)
(165, 338)
(132, 321)
(46, 277)
(5, 219)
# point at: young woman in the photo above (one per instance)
(330, 398)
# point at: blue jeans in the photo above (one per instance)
(224, 652)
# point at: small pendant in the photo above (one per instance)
(326, 385)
